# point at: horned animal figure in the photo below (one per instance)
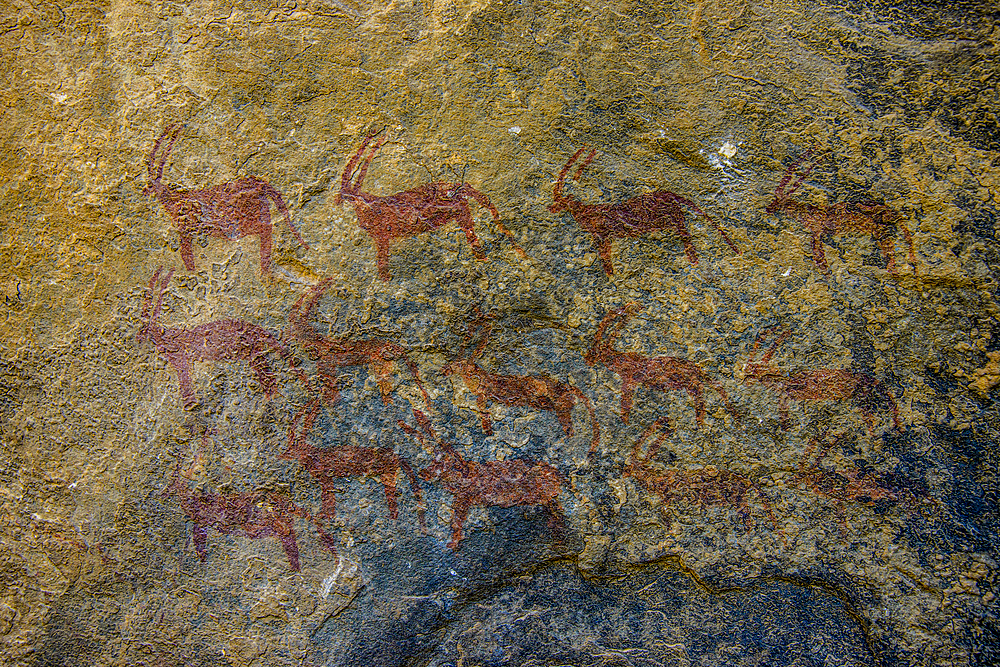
(662, 373)
(332, 354)
(229, 340)
(855, 217)
(328, 465)
(823, 384)
(256, 514)
(541, 392)
(844, 485)
(707, 486)
(489, 483)
(634, 217)
(229, 210)
(416, 211)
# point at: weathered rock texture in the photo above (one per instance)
(210, 479)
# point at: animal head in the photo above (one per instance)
(155, 167)
(150, 312)
(354, 173)
(782, 196)
(762, 371)
(600, 346)
(560, 201)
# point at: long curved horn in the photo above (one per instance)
(557, 194)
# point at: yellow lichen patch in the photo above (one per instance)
(988, 376)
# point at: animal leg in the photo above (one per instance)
(698, 396)
(564, 411)
(200, 535)
(887, 245)
(680, 225)
(484, 414)
(183, 366)
(382, 370)
(328, 505)
(388, 480)
(187, 251)
(819, 255)
(783, 416)
(264, 231)
(465, 222)
(459, 511)
(265, 376)
(628, 392)
(291, 546)
(382, 259)
(604, 250)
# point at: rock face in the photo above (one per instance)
(480, 333)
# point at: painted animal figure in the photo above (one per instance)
(490, 483)
(846, 218)
(852, 485)
(416, 211)
(634, 217)
(332, 354)
(707, 486)
(222, 340)
(823, 384)
(328, 465)
(256, 515)
(540, 392)
(662, 373)
(229, 210)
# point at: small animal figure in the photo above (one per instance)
(844, 485)
(662, 373)
(823, 384)
(845, 218)
(405, 214)
(707, 486)
(489, 483)
(328, 465)
(634, 217)
(229, 340)
(541, 392)
(256, 515)
(332, 354)
(230, 210)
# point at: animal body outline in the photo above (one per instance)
(640, 215)
(412, 212)
(852, 217)
(230, 210)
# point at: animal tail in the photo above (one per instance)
(595, 428)
(766, 502)
(415, 486)
(691, 205)
(485, 202)
(909, 243)
(279, 202)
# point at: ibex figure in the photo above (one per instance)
(855, 217)
(634, 217)
(228, 339)
(663, 373)
(821, 384)
(229, 210)
(412, 212)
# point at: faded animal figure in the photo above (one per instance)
(634, 217)
(707, 486)
(416, 211)
(332, 354)
(256, 515)
(662, 373)
(489, 483)
(855, 218)
(541, 392)
(328, 465)
(843, 486)
(230, 210)
(228, 340)
(823, 384)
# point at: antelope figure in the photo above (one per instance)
(332, 354)
(541, 392)
(229, 210)
(416, 211)
(229, 339)
(328, 465)
(855, 218)
(662, 373)
(823, 384)
(841, 486)
(707, 486)
(256, 514)
(489, 483)
(634, 217)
